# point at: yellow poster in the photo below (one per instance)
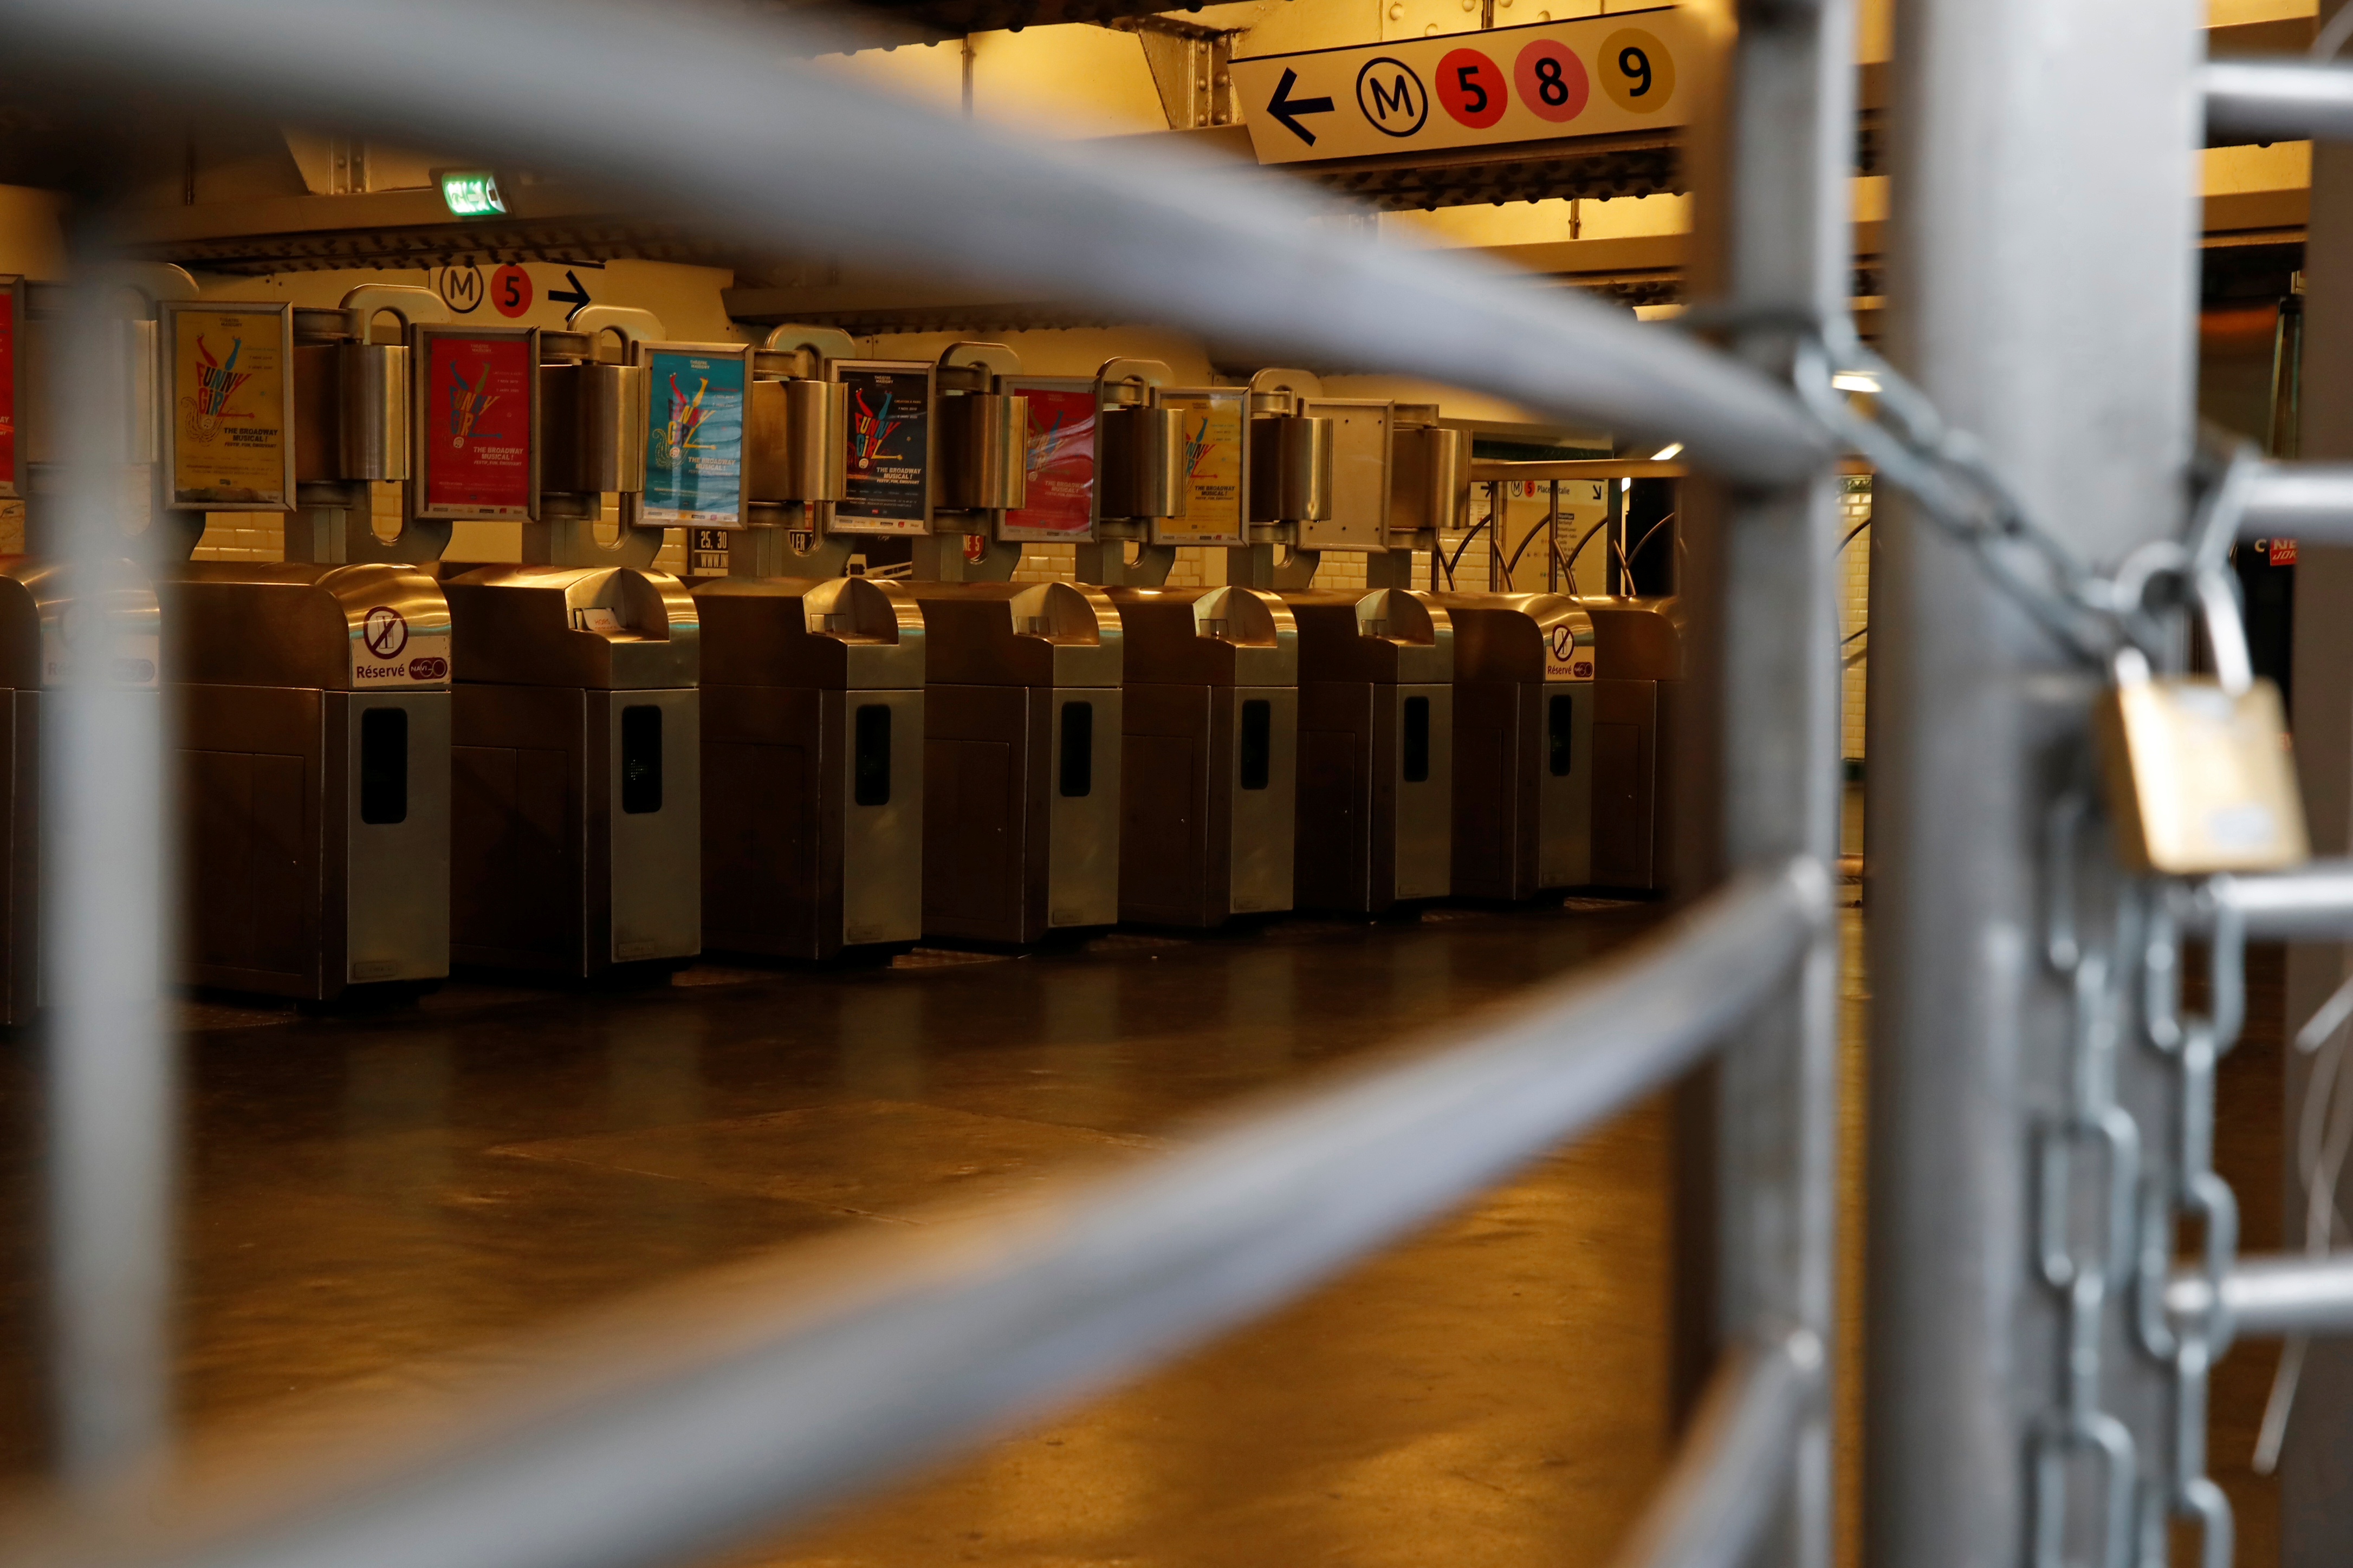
(228, 434)
(1211, 451)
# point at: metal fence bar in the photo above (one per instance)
(110, 1107)
(2288, 98)
(2312, 904)
(750, 1402)
(2267, 1298)
(1781, 197)
(2303, 501)
(1977, 720)
(1736, 1462)
(696, 112)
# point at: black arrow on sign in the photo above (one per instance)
(576, 296)
(1286, 109)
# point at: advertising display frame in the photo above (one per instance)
(1173, 530)
(1082, 387)
(637, 510)
(16, 458)
(876, 521)
(176, 497)
(422, 336)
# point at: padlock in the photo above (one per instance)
(2199, 775)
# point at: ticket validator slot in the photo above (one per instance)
(1376, 749)
(1637, 697)
(1022, 758)
(1524, 760)
(1208, 768)
(311, 695)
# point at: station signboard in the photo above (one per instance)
(1214, 455)
(1595, 76)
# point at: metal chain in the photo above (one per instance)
(2097, 619)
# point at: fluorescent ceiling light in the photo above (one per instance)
(1855, 381)
(1668, 453)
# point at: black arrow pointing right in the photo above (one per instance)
(1287, 109)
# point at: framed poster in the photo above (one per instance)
(476, 422)
(1061, 448)
(12, 393)
(1217, 477)
(227, 367)
(694, 435)
(889, 487)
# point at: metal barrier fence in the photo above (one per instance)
(693, 1420)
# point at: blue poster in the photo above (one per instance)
(694, 440)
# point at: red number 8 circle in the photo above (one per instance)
(1471, 88)
(1551, 79)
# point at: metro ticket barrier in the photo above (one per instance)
(813, 747)
(313, 696)
(577, 751)
(313, 761)
(1524, 743)
(1376, 749)
(1022, 709)
(1209, 737)
(1637, 693)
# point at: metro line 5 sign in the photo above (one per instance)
(1591, 76)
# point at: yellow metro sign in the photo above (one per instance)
(1595, 76)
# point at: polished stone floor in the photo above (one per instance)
(369, 1201)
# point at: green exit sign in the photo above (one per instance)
(471, 193)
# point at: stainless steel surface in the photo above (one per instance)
(373, 434)
(1207, 830)
(529, 625)
(1423, 867)
(1289, 468)
(2313, 904)
(1082, 830)
(110, 1135)
(1524, 775)
(1362, 440)
(684, 1426)
(395, 882)
(796, 440)
(799, 859)
(656, 855)
(2266, 1297)
(2288, 97)
(1432, 466)
(1142, 476)
(257, 623)
(2303, 501)
(1967, 694)
(1727, 1486)
(984, 451)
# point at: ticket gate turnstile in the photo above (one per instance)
(575, 841)
(1638, 693)
(38, 643)
(1376, 749)
(1022, 711)
(1209, 761)
(812, 703)
(314, 724)
(1524, 756)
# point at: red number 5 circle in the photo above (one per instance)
(1551, 79)
(1471, 88)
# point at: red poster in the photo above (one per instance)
(1060, 503)
(477, 435)
(7, 391)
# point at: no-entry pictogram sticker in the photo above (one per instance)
(385, 632)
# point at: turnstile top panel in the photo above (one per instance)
(1017, 634)
(1391, 636)
(1216, 635)
(607, 628)
(38, 621)
(834, 633)
(338, 629)
(1520, 637)
(1638, 639)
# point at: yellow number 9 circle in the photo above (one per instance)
(1636, 70)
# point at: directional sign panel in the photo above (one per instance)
(1596, 76)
